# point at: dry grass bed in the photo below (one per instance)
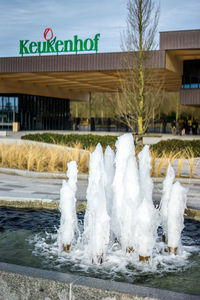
(41, 158)
(183, 162)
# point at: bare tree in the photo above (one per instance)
(140, 92)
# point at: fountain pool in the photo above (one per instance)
(29, 237)
(120, 235)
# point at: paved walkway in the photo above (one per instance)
(35, 188)
(16, 187)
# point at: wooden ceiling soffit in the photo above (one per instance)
(189, 53)
(18, 87)
(25, 76)
(89, 87)
(173, 63)
(42, 80)
(84, 75)
(83, 83)
(88, 83)
(100, 81)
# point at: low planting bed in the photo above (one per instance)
(183, 155)
(177, 148)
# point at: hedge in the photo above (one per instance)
(86, 140)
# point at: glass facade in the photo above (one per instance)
(8, 111)
(34, 112)
(191, 74)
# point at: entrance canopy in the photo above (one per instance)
(74, 76)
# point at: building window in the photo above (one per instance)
(34, 112)
(191, 74)
(8, 111)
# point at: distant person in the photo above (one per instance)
(187, 127)
(92, 124)
(183, 128)
(164, 125)
(180, 127)
(77, 126)
(183, 131)
(174, 127)
(108, 124)
(190, 125)
(194, 127)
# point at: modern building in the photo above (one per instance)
(36, 91)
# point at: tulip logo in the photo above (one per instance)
(46, 32)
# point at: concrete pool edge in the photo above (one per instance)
(20, 282)
(36, 203)
(49, 204)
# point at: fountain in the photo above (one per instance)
(126, 192)
(96, 228)
(172, 207)
(109, 169)
(147, 222)
(167, 186)
(68, 223)
(176, 208)
(120, 207)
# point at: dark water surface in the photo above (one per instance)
(29, 237)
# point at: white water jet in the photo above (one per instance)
(146, 182)
(145, 233)
(96, 228)
(109, 168)
(147, 221)
(176, 207)
(126, 191)
(166, 194)
(67, 206)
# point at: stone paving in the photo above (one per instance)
(13, 186)
(38, 188)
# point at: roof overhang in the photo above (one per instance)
(75, 76)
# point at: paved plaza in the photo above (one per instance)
(33, 188)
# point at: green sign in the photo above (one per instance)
(52, 45)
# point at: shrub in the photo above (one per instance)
(178, 148)
(86, 140)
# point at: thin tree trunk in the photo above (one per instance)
(141, 74)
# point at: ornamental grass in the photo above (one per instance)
(183, 163)
(46, 158)
(41, 158)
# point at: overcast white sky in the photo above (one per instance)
(27, 19)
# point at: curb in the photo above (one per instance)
(34, 174)
(37, 203)
(180, 179)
